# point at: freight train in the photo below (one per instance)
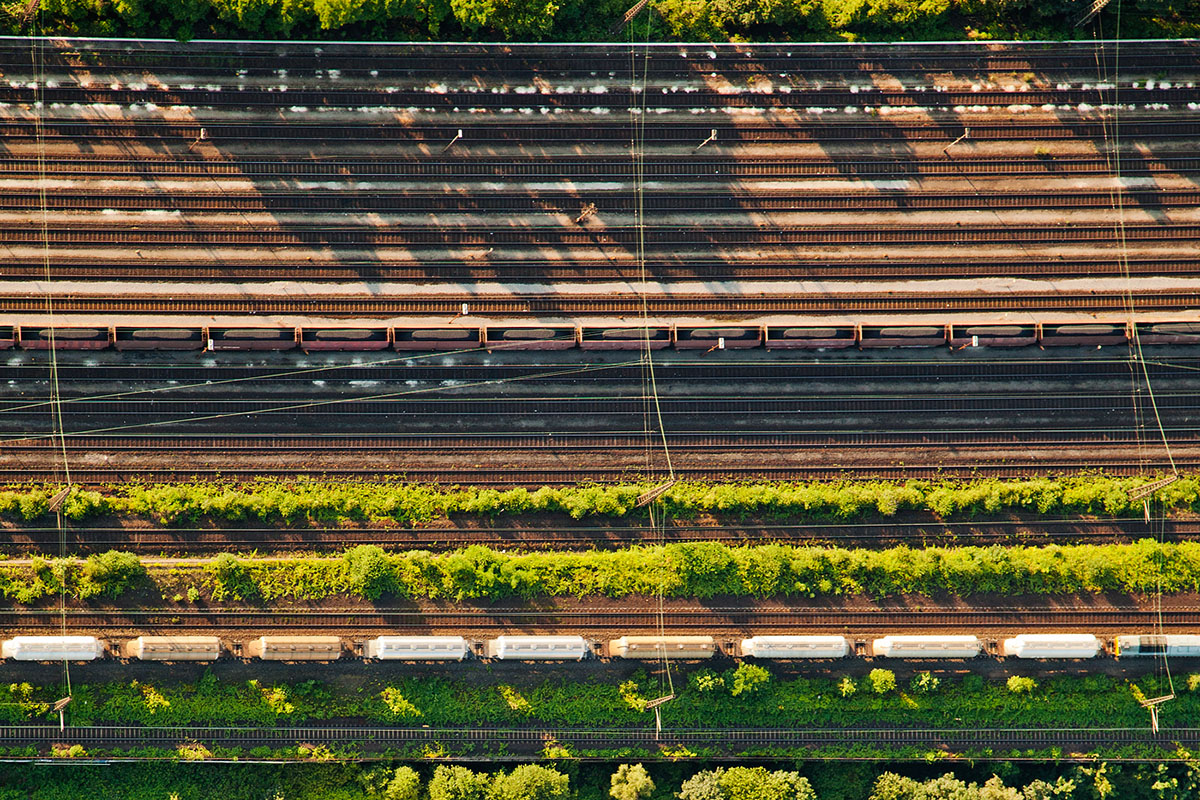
(296, 648)
(599, 337)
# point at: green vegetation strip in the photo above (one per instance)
(988, 780)
(308, 502)
(692, 570)
(745, 696)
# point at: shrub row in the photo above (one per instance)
(703, 699)
(305, 501)
(708, 569)
(690, 570)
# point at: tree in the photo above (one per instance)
(405, 785)
(530, 782)
(1043, 790)
(514, 18)
(704, 785)
(111, 573)
(756, 783)
(882, 681)
(746, 783)
(631, 782)
(458, 783)
(749, 678)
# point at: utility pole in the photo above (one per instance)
(656, 706)
(628, 17)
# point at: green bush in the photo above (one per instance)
(925, 682)
(369, 572)
(882, 681)
(748, 678)
(231, 579)
(111, 574)
(1019, 684)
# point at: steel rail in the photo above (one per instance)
(579, 304)
(717, 620)
(68, 265)
(567, 442)
(542, 201)
(193, 541)
(533, 739)
(572, 166)
(85, 472)
(514, 61)
(615, 98)
(658, 130)
(145, 233)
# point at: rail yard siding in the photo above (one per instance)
(304, 501)
(679, 570)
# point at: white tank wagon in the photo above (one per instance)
(947, 646)
(538, 648)
(795, 647)
(1052, 645)
(418, 648)
(173, 648)
(1180, 645)
(52, 648)
(295, 648)
(684, 647)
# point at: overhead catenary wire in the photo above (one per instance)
(1137, 356)
(657, 515)
(38, 59)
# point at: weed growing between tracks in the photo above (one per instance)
(306, 502)
(971, 702)
(693, 570)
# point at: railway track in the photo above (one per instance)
(613, 98)
(576, 166)
(197, 541)
(820, 61)
(160, 268)
(623, 201)
(634, 443)
(85, 472)
(709, 619)
(660, 236)
(532, 740)
(578, 270)
(579, 304)
(583, 127)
